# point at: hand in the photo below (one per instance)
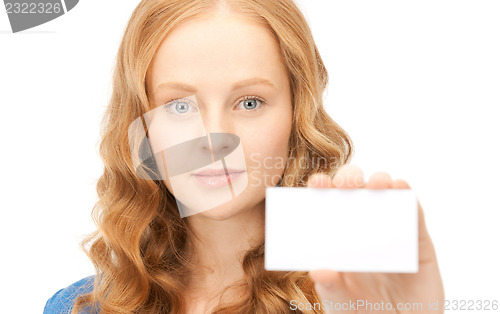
(410, 289)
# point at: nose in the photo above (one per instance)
(201, 151)
(216, 119)
(221, 141)
(222, 144)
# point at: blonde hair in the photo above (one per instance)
(139, 249)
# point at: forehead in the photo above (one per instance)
(223, 46)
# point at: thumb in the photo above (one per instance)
(332, 290)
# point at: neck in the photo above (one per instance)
(219, 247)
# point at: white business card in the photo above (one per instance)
(349, 230)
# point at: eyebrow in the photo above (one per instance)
(235, 86)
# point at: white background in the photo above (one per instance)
(415, 84)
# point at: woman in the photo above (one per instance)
(152, 260)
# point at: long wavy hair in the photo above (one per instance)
(139, 249)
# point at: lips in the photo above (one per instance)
(217, 172)
(216, 178)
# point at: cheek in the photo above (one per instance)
(266, 152)
(273, 143)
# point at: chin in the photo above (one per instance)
(242, 203)
(223, 211)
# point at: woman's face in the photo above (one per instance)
(226, 75)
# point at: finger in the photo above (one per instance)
(320, 180)
(326, 277)
(400, 184)
(426, 251)
(422, 229)
(330, 286)
(349, 177)
(379, 180)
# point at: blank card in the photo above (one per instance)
(349, 230)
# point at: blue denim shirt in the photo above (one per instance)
(62, 301)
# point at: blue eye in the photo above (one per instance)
(179, 106)
(250, 103)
